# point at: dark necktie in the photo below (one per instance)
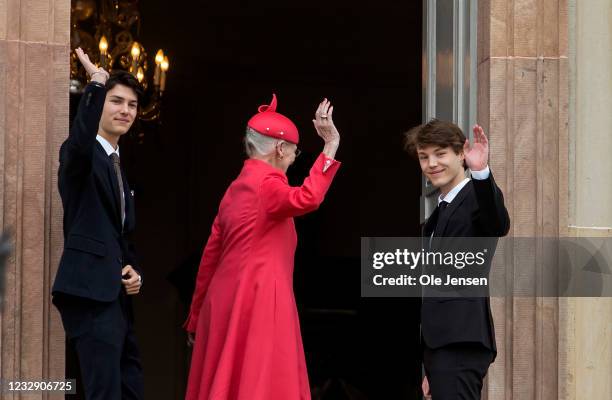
(115, 158)
(440, 210)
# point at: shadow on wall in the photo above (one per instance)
(5, 251)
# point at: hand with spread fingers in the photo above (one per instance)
(96, 73)
(477, 157)
(326, 129)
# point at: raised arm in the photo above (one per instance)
(282, 200)
(78, 150)
(493, 215)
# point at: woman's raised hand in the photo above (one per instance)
(324, 124)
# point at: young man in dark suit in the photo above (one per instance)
(97, 274)
(457, 332)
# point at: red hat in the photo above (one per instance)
(270, 123)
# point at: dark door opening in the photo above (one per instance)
(227, 59)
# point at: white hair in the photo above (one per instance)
(257, 144)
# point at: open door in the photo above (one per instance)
(228, 58)
(449, 70)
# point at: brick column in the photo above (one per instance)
(34, 75)
(523, 103)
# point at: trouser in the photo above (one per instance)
(456, 371)
(103, 337)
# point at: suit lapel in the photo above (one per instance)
(430, 224)
(451, 208)
(129, 204)
(428, 228)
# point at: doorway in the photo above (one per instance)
(226, 60)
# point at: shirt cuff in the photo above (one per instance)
(481, 175)
(328, 163)
(97, 84)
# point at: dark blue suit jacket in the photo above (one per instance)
(96, 247)
(478, 211)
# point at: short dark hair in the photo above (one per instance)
(120, 77)
(434, 133)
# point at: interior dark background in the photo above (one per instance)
(226, 59)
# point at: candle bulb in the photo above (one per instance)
(135, 50)
(165, 64)
(103, 49)
(140, 74)
(159, 57)
(135, 55)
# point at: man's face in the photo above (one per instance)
(120, 109)
(441, 165)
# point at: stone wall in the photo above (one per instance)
(587, 328)
(34, 74)
(523, 104)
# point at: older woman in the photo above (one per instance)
(243, 319)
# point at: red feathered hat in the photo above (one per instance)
(270, 123)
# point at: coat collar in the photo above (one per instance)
(450, 196)
(108, 148)
(262, 166)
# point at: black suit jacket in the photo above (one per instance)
(96, 247)
(477, 211)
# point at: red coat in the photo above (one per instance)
(248, 344)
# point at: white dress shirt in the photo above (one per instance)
(107, 146)
(478, 175)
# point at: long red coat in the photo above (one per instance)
(248, 344)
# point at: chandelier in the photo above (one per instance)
(107, 30)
